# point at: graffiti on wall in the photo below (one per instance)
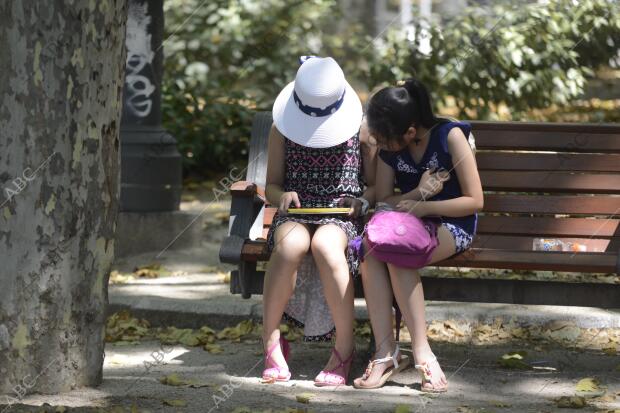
(139, 87)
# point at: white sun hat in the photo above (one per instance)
(319, 109)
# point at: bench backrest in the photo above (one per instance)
(541, 180)
(549, 180)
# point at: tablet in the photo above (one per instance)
(319, 210)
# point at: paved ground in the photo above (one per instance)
(477, 384)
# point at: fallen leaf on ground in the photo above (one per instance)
(235, 333)
(571, 401)
(148, 271)
(452, 325)
(304, 397)
(121, 327)
(242, 409)
(514, 360)
(120, 278)
(185, 336)
(498, 403)
(589, 387)
(402, 408)
(363, 329)
(587, 384)
(172, 380)
(175, 402)
(214, 348)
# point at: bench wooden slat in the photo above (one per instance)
(542, 204)
(553, 204)
(602, 227)
(548, 141)
(535, 260)
(525, 243)
(548, 227)
(498, 258)
(606, 128)
(480, 290)
(545, 181)
(514, 161)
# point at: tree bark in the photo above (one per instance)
(62, 66)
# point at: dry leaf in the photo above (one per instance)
(589, 384)
(121, 326)
(242, 329)
(402, 408)
(452, 325)
(498, 403)
(304, 397)
(589, 387)
(172, 380)
(175, 402)
(571, 401)
(213, 348)
(514, 360)
(120, 278)
(185, 336)
(175, 380)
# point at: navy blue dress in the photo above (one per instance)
(408, 174)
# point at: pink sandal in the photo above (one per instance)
(330, 377)
(273, 372)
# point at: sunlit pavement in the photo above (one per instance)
(229, 381)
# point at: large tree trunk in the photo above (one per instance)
(62, 67)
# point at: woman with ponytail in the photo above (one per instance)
(430, 161)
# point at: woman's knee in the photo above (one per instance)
(328, 245)
(291, 242)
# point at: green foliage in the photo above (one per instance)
(227, 58)
(529, 57)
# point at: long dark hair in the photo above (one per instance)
(393, 110)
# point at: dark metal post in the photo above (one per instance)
(150, 162)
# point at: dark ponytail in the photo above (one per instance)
(393, 110)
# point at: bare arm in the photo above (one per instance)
(369, 162)
(466, 169)
(275, 173)
(385, 186)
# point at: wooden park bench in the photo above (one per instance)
(541, 180)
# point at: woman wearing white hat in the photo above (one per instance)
(317, 159)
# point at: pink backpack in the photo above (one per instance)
(401, 238)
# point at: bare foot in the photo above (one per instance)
(334, 362)
(374, 372)
(433, 378)
(277, 358)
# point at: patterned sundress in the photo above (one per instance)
(321, 177)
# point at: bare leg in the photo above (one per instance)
(378, 295)
(410, 298)
(292, 242)
(328, 245)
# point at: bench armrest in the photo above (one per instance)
(245, 188)
(248, 199)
